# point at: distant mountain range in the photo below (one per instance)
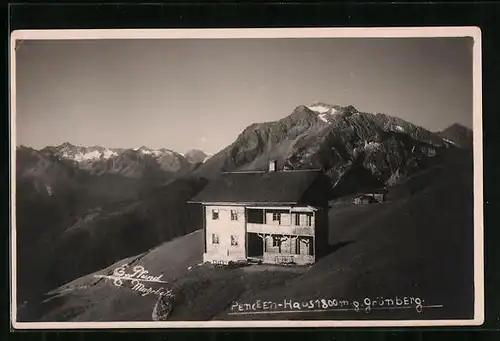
(132, 163)
(120, 202)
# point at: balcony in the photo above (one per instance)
(281, 229)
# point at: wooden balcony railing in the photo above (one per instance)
(281, 229)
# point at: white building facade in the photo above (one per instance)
(263, 217)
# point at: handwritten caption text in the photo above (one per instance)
(333, 304)
(138, 277)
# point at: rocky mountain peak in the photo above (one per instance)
(66, 145)
(196, 156)
(457, 135)
(335, 138)
(328, 112)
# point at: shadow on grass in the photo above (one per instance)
(329, 249)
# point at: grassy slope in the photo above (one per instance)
(90, 298)
(111, 232)
(420, 246)
(417, 246)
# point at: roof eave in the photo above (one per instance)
(206, 202)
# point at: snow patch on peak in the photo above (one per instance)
(154, 152)
(144, 150)
(324, 111)
(207, 157)
(108, 153)
(320, 108)
(399, 128)
(95, 154)
(323, 117)
(81, 154)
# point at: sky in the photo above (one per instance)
(201, 93)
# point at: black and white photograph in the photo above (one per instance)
(246, 178)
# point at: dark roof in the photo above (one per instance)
(258, 187)
(365, 196)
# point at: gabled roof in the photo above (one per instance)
(285, 187)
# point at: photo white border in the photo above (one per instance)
(271, 33)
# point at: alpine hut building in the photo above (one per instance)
(265, 216)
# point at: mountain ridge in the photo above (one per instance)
(129, 162)
(333, 138)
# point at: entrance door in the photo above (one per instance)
(255, 246)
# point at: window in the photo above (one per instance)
(234, 215)
(303, 219)
(215, 239)
(276, 241)
(276, 216)
(234, 240)
(309, 220)
(215, 214)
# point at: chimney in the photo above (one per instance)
(272, 165)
